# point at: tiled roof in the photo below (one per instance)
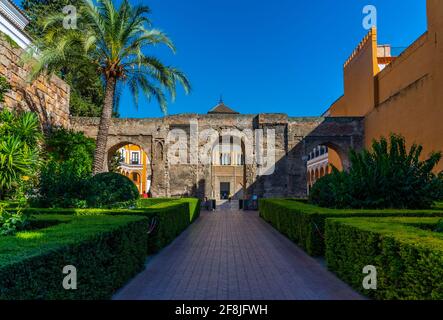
(221, 108)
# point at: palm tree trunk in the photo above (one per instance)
(105, 122)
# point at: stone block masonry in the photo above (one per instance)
(294, 139)
(47, 96)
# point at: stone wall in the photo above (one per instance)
(49, 97)
(294, 139)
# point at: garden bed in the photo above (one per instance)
(407, 253)
(305, 224)
(107, 251)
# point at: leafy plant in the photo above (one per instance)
(10, 223)
(19, 149)
(115, 162)
(67, 168)
(110, 188)
(388, 176)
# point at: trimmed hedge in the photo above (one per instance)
(169, 218)
(146, 203)
(304, 223)
(194, 204)
(407, 253)
(106, 251)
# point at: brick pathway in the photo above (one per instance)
(233, 255)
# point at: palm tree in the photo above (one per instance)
(115, 41)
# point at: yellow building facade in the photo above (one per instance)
(135, 165)
(401, 95)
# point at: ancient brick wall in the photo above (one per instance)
(49, 97)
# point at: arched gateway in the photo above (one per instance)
(268, 159)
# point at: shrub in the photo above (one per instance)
(107, 252)
(304, 223)
(408, 256)
(68, 166)
(109, 188)
(19, 151)
(388, 176)
(11, 222)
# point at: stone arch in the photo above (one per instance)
(159, 150)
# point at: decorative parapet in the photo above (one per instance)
(369, 37)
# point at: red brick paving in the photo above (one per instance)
(234, 256)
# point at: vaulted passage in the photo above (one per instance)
(234, 256)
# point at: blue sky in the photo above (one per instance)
(269, 56)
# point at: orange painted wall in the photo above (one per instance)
(334, 159)
(407, 96)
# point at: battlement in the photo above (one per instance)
(369, 37)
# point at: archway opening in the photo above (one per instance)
(321, 160)
(132, 161)
(228, 168)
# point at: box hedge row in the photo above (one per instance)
(106, 251)
(169, 218)
(407, 253)
(305, 224)
(194, 204)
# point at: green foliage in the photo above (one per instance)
(9, 40)
(19, 149)
(87, 91)
(388, 176)
(408, 257)
(108, 188)
(68, 166)
(82, 107)
(107, 252)
(168, 218)
(11, 222)
(4, 88)
(115, 162)
(305, 223)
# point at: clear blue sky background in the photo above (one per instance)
(269, 56)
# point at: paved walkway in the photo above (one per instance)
(233, 256)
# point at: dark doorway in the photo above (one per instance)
(225, 190)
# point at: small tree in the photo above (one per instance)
(116, 160)
(388, 176)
